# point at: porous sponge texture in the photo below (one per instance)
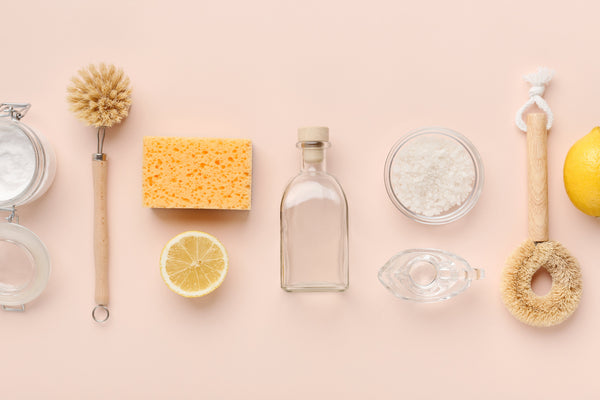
(187, 172)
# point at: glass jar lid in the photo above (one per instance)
(25, 267)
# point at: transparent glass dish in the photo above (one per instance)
(427, 275)
(453, 139)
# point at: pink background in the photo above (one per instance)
(371, 71)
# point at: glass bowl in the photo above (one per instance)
(434, 175)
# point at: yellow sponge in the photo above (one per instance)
(183, 172)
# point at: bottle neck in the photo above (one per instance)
(312, 156)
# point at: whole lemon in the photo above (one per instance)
(582, 173)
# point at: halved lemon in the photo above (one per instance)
(193, 264)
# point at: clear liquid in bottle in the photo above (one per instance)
(314, 222)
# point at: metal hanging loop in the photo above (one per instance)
(95, 317)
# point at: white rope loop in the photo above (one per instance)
(538, 81)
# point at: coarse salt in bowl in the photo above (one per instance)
(434, 175)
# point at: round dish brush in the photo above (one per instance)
(100, 96)
(538, 252)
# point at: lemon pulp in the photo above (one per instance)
(193, 264)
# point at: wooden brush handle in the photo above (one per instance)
(537, 176)
(99, 168)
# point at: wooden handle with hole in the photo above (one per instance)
(537, 176)
(99, 168)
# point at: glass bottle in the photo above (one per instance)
(314, 222)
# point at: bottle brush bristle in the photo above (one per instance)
(100, 95)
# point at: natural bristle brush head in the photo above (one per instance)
(563, 298)
(100, 95)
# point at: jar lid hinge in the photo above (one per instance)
(12, 214)
(14, 111)
(19, 308)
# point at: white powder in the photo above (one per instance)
(17, 162)
(432, 174)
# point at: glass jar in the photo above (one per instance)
(27, 169)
